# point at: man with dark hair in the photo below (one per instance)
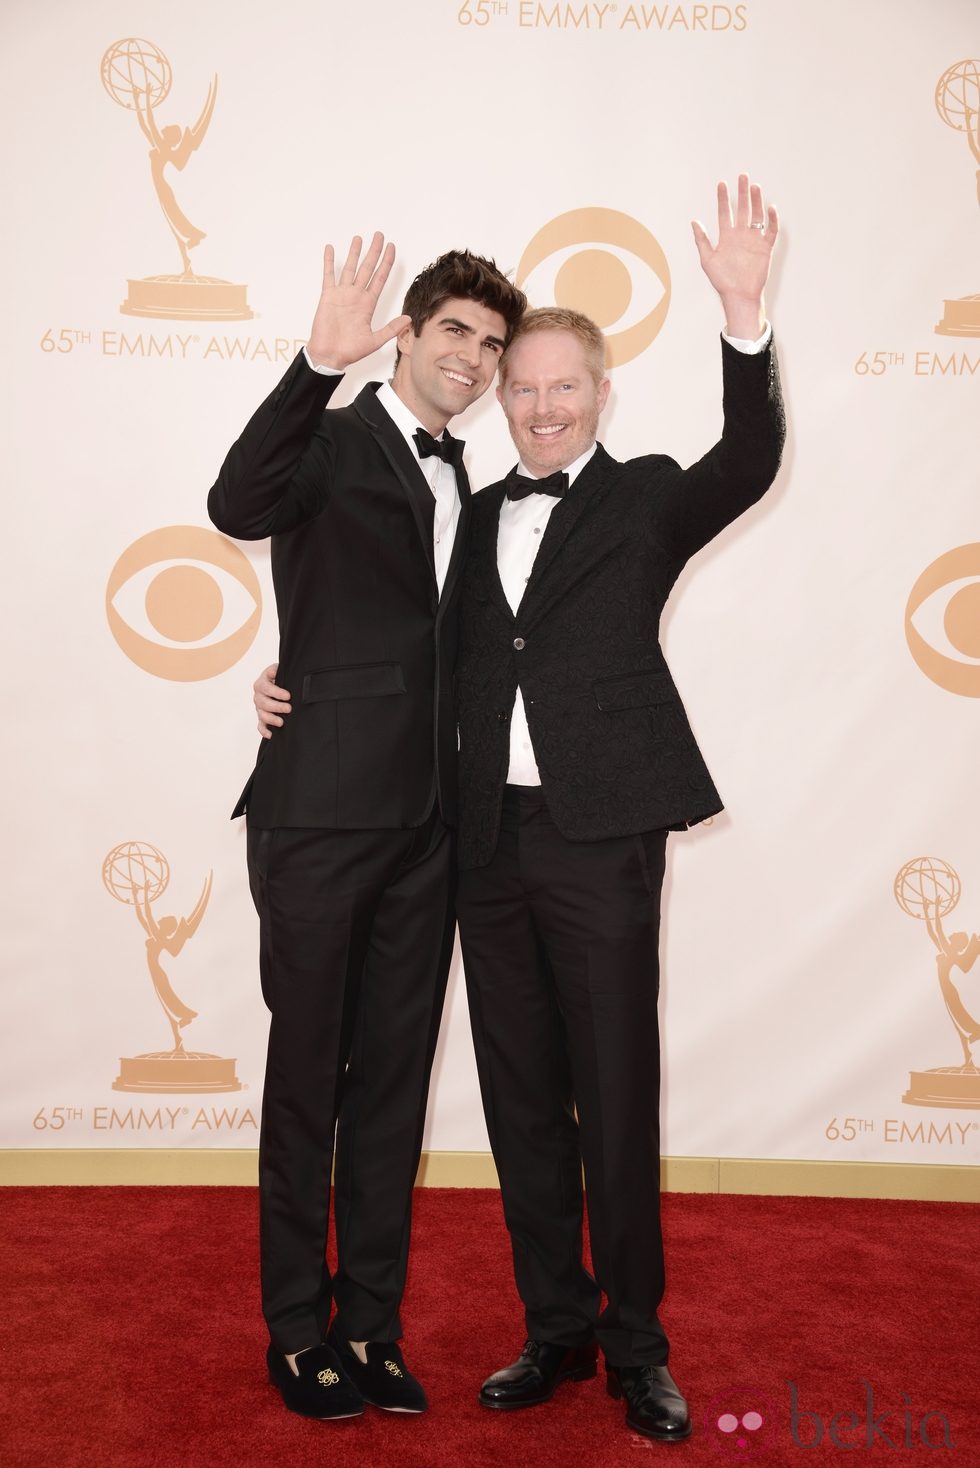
(350, 860)
(461, 276)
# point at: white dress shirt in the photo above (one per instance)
(519, 533)
(439, 476)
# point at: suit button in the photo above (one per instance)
(503, 718)
(519, 643)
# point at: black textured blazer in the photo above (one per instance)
(611, 739)
(367, 646)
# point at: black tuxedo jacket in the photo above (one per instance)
(612, 742)
(367, 646)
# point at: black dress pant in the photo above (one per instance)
(356, 940)
(560, 947)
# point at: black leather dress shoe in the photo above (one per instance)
(383, 1380)
(533, 1377)
(654, 1406)
(322, 1388)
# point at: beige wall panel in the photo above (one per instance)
(802, 1009)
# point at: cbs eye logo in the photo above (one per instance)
(942, 621)
(601, 283)
(183, 603)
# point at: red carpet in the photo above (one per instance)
(132, 1336)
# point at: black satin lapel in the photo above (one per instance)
(405, 467)
(586, 493)
(462, 533)
(488, 552)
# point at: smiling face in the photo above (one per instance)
(552, 399)
(450, 363)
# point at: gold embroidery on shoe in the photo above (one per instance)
(393, 1369)
(327, 1378)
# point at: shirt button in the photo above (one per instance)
(519, 643)
(537, 530)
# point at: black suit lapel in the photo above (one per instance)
(485, 554)
(589, 489)
(462, 531)
(403, 463)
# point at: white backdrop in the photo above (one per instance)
(799, 995)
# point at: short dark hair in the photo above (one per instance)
(461, 276)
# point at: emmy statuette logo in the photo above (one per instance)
(137, 874)
(137, 76)
(928, 889)
(958, 104)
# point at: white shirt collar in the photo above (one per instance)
(401, 415)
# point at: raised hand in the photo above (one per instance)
(738, 266)
(342, 332)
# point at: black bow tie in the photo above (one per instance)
(448, 449)
(518, 486)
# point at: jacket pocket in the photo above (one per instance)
(633, 690)
(354, 680)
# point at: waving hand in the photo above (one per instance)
(738, 265)
(342, 332)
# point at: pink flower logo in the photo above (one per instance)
(741, 1421)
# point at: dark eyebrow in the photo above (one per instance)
(454, 321)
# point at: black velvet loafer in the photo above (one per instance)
(322, 1389)
(533, 1377)
(654, 1405)
(383, 1380)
